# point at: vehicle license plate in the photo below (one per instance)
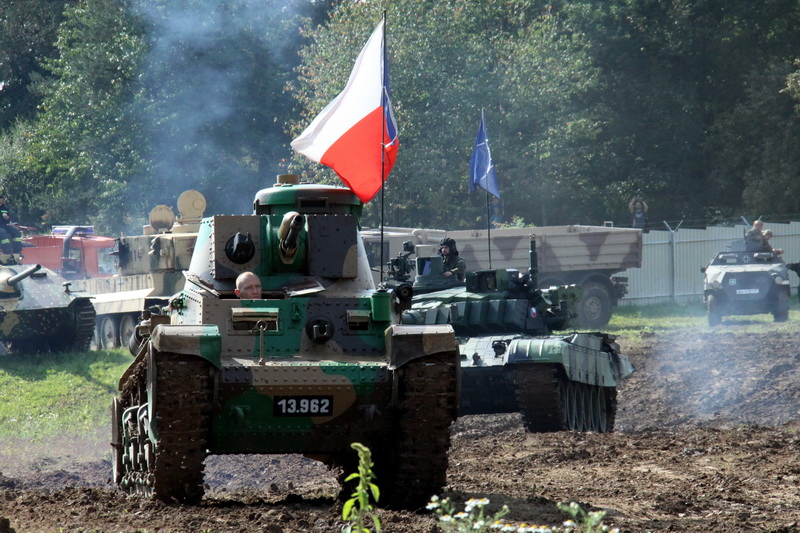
(746, 291)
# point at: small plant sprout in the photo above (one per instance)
(583, 522)
(358, 509)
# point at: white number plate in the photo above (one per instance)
(303, 406)
(746, 291)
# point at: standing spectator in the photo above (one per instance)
(10, 235)
(638, 209)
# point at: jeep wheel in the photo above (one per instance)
(714, 313)
(781, 311)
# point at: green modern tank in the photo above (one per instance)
(39, 313)
(511, 360)
(317, 363)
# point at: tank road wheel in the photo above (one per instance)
(127, 326)
(593, 408)
(594, 308)
(579, 391)
(108, 333)
(568, 403)
(427, 404)
(781, 309)
(116, 441)
(601, 406)
(714, 311)
(179, 387)
(610, 397)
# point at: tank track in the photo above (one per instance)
(84, 325)
(426, 410)
(172, 471)
(549, 401)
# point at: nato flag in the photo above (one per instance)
(481, 169)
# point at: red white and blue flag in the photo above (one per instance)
(356, 134)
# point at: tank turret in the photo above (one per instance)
(318, 362)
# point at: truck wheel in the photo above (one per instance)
(781, 312)
(594, 309)
(714, 312)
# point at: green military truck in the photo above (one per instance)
(591, 257)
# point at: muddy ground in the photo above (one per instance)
(707, 440)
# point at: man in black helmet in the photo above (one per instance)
(453, 265)
(10, 236)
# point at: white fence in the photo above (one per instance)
(671, 261)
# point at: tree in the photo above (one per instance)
(447, 61)
(27, 37)
(150, 97)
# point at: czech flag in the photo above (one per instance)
(356, 134)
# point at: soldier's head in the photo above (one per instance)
(447, 247)
(758, 225)
(768, 234)
(248, 286)
(2, 199)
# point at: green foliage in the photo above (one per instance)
(27, 37)
(690, 103)
(48, 395)
(358, 509)
(584, 522)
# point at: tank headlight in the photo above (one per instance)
(716, 285)
(778, 280)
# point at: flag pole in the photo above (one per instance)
(380, 145)
(488, 212)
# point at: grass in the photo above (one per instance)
(635, 323)
(45, 396)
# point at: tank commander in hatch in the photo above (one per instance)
(248, 286)
(767, 246)
(754, 238)
(453, 265)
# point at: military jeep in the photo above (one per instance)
(741, 281)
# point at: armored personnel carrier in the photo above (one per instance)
(317, 363)
(742, 281)
(38, 313)
(510, 359)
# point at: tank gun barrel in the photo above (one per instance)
(291, 226)
(28, 272)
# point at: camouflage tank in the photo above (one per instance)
(317, 363)
(39, 313)
(510, 359)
